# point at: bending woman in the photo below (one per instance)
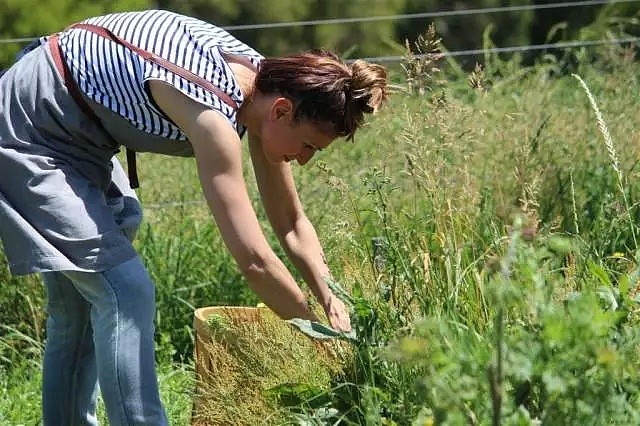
(156, 81)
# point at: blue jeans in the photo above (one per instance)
(100, 330)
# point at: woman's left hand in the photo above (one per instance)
(337, 314)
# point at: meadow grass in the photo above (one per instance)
(502, 285)
(20, 397)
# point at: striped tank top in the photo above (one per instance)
(115, 77)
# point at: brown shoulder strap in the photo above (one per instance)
(182, 72)
(74, 91)
(152, 57)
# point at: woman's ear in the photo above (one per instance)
(280, 107)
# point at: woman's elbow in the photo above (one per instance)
(253, 264)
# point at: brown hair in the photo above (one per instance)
(324, 89)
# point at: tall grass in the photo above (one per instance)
(485, 234)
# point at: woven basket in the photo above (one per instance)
(241, 352)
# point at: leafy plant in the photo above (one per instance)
(551, 356)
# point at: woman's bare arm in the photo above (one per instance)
(218, 155)
(294, 230)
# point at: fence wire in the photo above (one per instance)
(439, 14)
(512, 49)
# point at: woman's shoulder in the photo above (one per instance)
(152, 20)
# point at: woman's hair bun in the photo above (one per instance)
(368, 85)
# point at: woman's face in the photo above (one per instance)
(283, 139)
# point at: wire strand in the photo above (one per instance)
(17, 40)
(174, 204)
(440, 14)
(510, 49)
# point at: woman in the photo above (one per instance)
(66, 209)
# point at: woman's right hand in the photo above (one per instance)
(337, 314)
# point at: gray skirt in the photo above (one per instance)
(65, 201)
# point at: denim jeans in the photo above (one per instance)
(100, 330)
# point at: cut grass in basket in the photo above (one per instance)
(252, 367)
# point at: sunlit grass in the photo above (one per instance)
(440, 185)
(20, 397)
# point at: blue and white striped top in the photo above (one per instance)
(115, 77)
